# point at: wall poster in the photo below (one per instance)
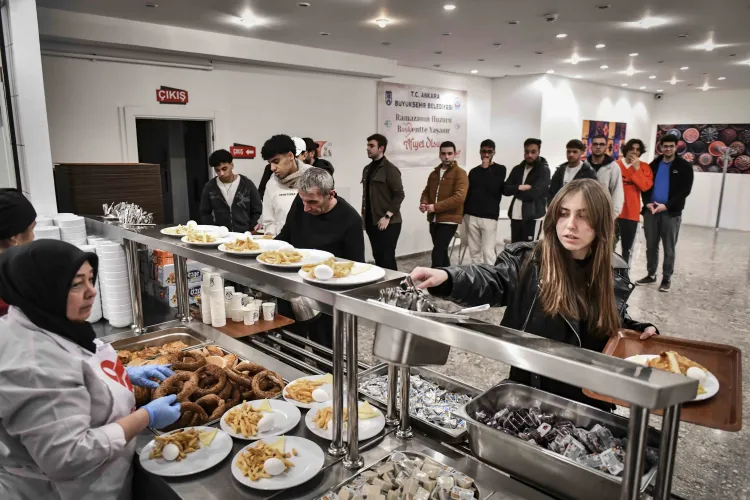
(416, 119)
(703, 145)
(613, 131)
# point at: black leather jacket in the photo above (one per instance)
(508, 284)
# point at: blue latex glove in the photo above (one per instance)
(163, 411)
(140, 375)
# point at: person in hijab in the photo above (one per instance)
(17, 222)
(67, 409)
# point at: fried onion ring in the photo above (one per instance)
(235, 398)
(215, 375)
(267, 384)
(142, 395)
(182, 383)
(249, 367)
(226, 391)
(213, 350)
(230, 360)
(182, 361)
(214, 404)
(238, 378)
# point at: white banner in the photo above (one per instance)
(416, 119)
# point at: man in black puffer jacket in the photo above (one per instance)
(229, 199)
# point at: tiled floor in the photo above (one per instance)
(710, 300)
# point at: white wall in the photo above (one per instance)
(251, 104)
(714, 106)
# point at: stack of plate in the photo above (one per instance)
(42, 221)
(96, 310)
(47, 233)
(72, 228)
(114, 284)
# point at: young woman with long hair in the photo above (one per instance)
(568, 287)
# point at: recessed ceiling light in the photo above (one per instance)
(562, 35)
(480, 60)
(382, 22)
(709, 45)
(324, 33)
(474, 71)
(732, 55)
(436, 65)
(386, 43)
(684, 68)
(447, 33)
(575, 59)
(247, 21)
(600, 45)
(673, 81)
(623, 84)
(683, 35)
(603, 66)
(303, 4)
(516, 65)
(603, 7)
(513, 23)
(651, 22)
(152, 5)
(630, 71)
(633, 54)
(539, 52)
(550, 71)
(642, 88)
(438, 52)
(689, 84)
(722, 78)
(660, 90)
(579, 76)
(705, 87)
(449, 6)
(652, 77)
(497, 44)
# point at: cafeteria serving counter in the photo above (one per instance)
(404, 340)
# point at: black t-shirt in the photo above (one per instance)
(485, 191)
(338, 231)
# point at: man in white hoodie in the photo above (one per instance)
(280, 152)
(607, 171)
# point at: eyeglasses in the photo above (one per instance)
(487, 151)
(599, 144)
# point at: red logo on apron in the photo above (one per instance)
(116, 371)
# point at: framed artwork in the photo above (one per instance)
(613, 131)
(703, 145)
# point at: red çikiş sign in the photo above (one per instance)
(242, 151)
(168, 95)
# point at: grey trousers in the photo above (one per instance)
(665, 228)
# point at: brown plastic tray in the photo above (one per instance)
(724, 410)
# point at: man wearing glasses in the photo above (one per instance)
(607, 171)
(482, 205)
(662, 211)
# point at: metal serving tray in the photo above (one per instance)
(557, 474)
(160, 338)
(478, 491)
(445, 435)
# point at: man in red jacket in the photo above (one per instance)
(17, 221)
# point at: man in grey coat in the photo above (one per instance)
(607, 171)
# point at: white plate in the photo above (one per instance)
(711, 384)
(286, 417)
(309, 256)
(307, 464)
(326, 387)
(216, 243)
(265, 245)
(205, 229)
(368, 273)
(202, 459)
(367, 428)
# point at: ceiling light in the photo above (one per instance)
(623, 84)
(600, 45)
(387, 44)
(683, 35)
(722, 78)
(630, 71)
(474, 71)
(633, 54)
(651, 22)
(684, 68)
(602, 7)
(550, 71)
(447, 33)
(513, 23)
(436, 65)
(575, 59)
(673, 81)
(152, 5)
(562, 35)
(642, 88)
(516, 65)
(497, 44)
(382, 22)
(449, 6)
(480, 60)
(579, 76)
(705, 87)
(324, 33)
(438, 52)
(660, 90)
(603, 66)
(303, 4)
(652, 77)
(708, 46)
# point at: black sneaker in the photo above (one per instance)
(666, 284)
(648, 280)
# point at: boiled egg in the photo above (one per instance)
(191, 223)
(170, 452)
(696, 373)
(265, 424)
(274, 466)
(222, 232)
(320, 396)
(323, 272)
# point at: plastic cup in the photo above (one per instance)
(269, 309)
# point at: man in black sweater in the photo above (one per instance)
(527, 183)
(482, 205)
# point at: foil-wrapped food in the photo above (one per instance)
(427, 400)
(128, 214)
(407, 298)
(596, 448)
(411, 477)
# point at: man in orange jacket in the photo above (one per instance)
(636, 177)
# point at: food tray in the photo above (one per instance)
(241, 359)
(557, 474)
(479, 492)
(160, 338)
(446, 435)
(723, 411)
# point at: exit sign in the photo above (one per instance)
(242, 151)
(168, 95)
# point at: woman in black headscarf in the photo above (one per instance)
(67, 410)
(17, 222)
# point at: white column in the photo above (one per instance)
(30, 107)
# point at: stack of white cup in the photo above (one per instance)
(115, 285)
(228, 296)
(237, 315)
(72, 228)
(205, 291)
(216, 296)
(96, 309)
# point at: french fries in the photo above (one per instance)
(325, 416)
(177, 230)
(243, 419)
(251, 461)
(280, 257)
(187, 440)
(301, 390)
(674, 362)
(340, 269)
(200, 237)
(242, 245)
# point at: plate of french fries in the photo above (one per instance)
(179, 230)
(319, 420)
(249, 246)
(199, 448)
(293, 460)
(300, 392)
(242, 421)
(672, 361)
(345, 273)
(293, 258)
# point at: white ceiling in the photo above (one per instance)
(417, 26)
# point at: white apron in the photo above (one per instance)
(113, 479)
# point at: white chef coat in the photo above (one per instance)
(58, 439)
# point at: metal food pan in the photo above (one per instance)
(160, 338)
(446, 435)
(557, 474)
(478, 492)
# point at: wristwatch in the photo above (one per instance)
(387, 216)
